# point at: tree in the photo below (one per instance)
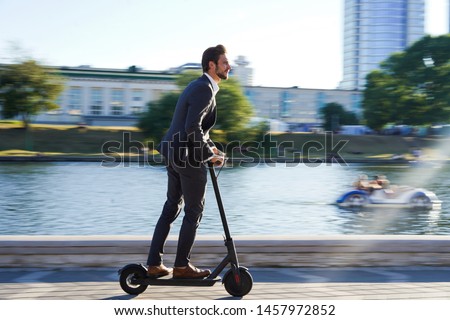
(334, 115)
(27, 89)
(380, 99)
(234, 110)
(157, 119)
(411, 87)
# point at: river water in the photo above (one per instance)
(91, 199)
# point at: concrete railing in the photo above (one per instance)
(254, 251)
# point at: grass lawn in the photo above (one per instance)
(93, 141)
(65, 139)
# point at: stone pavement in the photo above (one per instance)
(372, 283)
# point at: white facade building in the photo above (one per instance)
(107, 96)
(242, 72)
(116, 97)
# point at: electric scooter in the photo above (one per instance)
(237, 280)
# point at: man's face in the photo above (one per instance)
(222, 67)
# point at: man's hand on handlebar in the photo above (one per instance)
(219, 158)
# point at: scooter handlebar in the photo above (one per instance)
(220, 157)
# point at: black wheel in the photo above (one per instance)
(129, 279)
(238, 286)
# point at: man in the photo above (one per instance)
(187, 148)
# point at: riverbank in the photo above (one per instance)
(112, 144)
(158, 160)
(235, 161)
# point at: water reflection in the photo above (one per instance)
(385, 220)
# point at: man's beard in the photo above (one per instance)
(221, 75)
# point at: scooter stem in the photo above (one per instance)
(219, 202)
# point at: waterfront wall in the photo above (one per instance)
(254, 251)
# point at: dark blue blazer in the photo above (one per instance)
(195, 114)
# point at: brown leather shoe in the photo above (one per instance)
(158, 271)
(190, 272)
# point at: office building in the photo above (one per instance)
(373, 30)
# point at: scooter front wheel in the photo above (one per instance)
(238, 285)
(130, 276)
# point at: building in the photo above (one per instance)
(373, 30)
(242, 72)
(107, 96)
(116, 97)
(299, 107)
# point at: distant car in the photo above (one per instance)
(379, 193)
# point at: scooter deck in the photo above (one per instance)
(169, 281)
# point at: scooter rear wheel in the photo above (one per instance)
(128, 277)
(238, 287)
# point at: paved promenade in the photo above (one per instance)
(269, 284)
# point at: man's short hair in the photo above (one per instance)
(212, 54)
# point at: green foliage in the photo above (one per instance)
(187, 77)
(411, 87)
(334, 115)
(233, 113)
(380, 99)
(155, 122)
(27, 89)
(234, 110)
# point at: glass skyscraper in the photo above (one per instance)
(373, 30)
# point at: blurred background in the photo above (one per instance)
(88, 88)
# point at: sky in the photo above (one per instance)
(287, 42)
